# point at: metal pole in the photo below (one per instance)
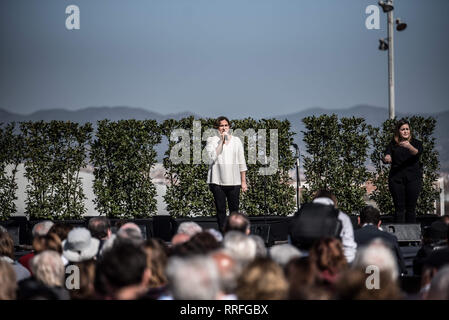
(391, 64)
(298, 184)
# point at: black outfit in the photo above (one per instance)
(363, 236)
(405, 179)
(221, 193)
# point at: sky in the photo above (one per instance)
(211, 57)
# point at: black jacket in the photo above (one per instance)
(403, 163)
(363, 236)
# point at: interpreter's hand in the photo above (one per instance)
(244, 186)
(224, 136)
(387, 159)
(405, 144)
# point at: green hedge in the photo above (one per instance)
(11, 146)
(422, 129)
(122, 155)
(337, 152)
(188, 193)
(54, 153)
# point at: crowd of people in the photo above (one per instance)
(80, 263)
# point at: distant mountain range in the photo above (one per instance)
(372, 115)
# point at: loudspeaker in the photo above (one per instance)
(261, 230)
(410, 232)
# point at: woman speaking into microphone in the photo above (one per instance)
(405, 178)
(227, 169)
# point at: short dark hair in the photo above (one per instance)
(325, 193)
(121, 266)
(369, 214)
(99, 226)
(220, 119)
(236, 221)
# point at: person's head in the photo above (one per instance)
(378, 254)
(80, 245)
(193, 278)
(61, 230)
(327, 254)
(369, 214)
(8, 283)
(6, 245)
(283, 253)
(240, 246)
(445, 219)
(261, 249)
(229, 271)
(439, 286)
(130, 232)
(42, 228)
(301, 277)
(324, 193)
(222, 124)
(86, 288)
(402, 131)
(48, 268)
(262, 279)
(237, 221)
(352, 285)
(121, 272)
(179, 238)
(100, 227)
(189, 228)
(156, 262)
(50, 241)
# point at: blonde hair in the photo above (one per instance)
(48, 268)
(8, 283)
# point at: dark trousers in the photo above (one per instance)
(405, 194)
(221, 193)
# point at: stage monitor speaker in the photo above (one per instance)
(261, 230)
(405, 232)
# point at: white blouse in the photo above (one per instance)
(225, 168)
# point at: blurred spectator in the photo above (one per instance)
(100, 228)
(439, 287)
(369, 222)
(378, 254)
(189, 228)
(261, 249)
(61, 229)
(241, 247)
(229, 271)
(131, 232)
(86, 290)
(347, 232)
(122, 273)
(352, 286)
(193, 278)
(156, 262)
(301, 277)
(262, 279)
(237, 221)
(7, 255)
(48, 269)
(328, 259)
(80, 245)
(283, 253)
(8, 282)
(39, 229)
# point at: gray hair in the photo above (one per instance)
(378, 254)
(261, 249)
(48, 268)
(283, 253)
(42, 228)
(130, 231)
(193, 278)
(439, 287)
(240, 246)
(190, 228)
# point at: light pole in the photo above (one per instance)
(388, 8)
